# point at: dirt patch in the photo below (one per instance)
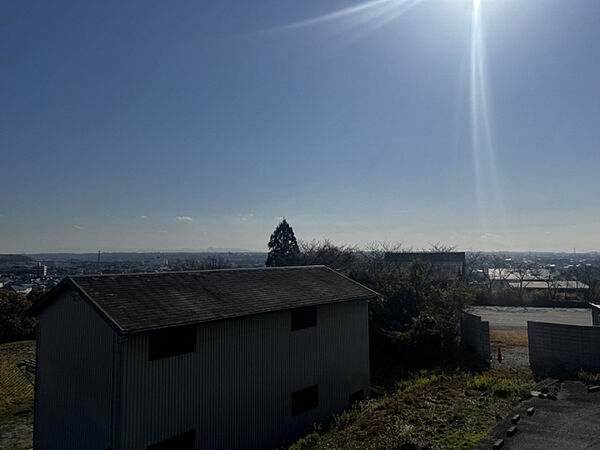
(17, 435)
(509, 338)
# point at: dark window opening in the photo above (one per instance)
(172, 342)
(358, 396)
(305, 399)
(183, 441)
(304, 317)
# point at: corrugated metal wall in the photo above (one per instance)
(560, 349)
(74, 377)
(235, 390)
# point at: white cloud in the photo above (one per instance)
(164, 232)
(78, 227)
(245, 217)
(143, 217)
(489, 235)
(184, 218)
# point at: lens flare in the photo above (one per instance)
(367, 16)
(488, 193)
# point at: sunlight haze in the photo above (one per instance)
(189, 125)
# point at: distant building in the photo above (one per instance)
(42, 270)
(237, 358)
(444, 266)
(19, 288)
(533, 279)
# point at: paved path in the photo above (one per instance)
(571, 422)
(516, 317)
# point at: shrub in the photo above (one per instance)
(13, 322)
(308, 441)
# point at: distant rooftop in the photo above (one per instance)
(137, 302)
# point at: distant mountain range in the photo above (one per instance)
(141, 255)
(14, 259)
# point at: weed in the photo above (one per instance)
(428, 410)
(308, 441)
(481, 382)
(347, 418)
(421, 379)
(589, 377)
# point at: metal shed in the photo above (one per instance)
(242, 358)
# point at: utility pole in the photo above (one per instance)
(98, 257)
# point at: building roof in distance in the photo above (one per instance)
(137, 302)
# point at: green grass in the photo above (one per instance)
(589, 377)
(16, 396)
(427, 410)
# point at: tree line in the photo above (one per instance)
(415, 318)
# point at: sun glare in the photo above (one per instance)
(368, 16)
(487, 187)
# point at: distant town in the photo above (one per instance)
(41, 272)
(519, 270)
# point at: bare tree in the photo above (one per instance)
(589, 274)
(476, 268)
(498, 271)
(338, 257)
(438, 247)
(521, 272)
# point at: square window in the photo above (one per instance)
(356, 397)
(305, 399)
(305, 317)
(172, 342)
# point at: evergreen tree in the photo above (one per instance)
(283, 248)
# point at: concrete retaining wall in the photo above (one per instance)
(475, 335)
(595, 314)
(556, 349)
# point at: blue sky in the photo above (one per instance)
(170, 125)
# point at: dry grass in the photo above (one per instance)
(16, 397)
(509, 338)
(428, 411)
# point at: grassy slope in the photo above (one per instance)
(16, 396)
(443, 410)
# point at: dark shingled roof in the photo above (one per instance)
(136, 302)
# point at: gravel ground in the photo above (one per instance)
(512, 356)
(516, 317)
(571, 422)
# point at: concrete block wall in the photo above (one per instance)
(558, 349)
(595, 314)
(475, 335)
